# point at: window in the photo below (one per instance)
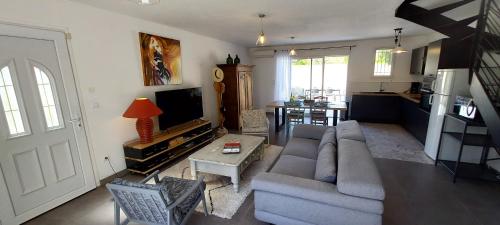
(383, 63)
(12, 111)
(49, 104)
(323, 76)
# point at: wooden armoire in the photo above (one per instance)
(239, 92)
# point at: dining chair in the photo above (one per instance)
(336, 95)
(295, 113)
(318, 114)
(315, 93)
(321, 99)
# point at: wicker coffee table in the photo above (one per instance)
(210, 158)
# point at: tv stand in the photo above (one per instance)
(167, 146)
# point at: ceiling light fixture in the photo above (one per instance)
(146, 2)
(292, 51)
(261, 40)
(397, 41)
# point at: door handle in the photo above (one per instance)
(76, 121)
(431, 99)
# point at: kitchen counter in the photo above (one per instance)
(391, 107)
(412, 97)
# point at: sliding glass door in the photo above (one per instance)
(321, 76)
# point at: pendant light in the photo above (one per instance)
(397, 41)
(292, 51)
(261, 40)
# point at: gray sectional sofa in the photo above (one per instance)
(325, 175)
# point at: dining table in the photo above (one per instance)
(336, 107)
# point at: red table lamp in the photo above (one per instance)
(143, 110)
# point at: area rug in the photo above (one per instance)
(391, 141)
(224, 200)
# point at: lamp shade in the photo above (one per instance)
(142, 108)
(399, 49)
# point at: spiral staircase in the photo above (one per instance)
(482, 29)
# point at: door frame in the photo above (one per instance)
(7, 215)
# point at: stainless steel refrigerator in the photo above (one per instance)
(448, 84)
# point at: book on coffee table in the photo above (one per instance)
(231, 147)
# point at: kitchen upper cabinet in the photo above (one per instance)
(418, 58)
(239, 92)
(448, 54)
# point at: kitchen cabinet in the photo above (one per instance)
(448, 54)
(391, 108)
(418, 57)
(414, 119)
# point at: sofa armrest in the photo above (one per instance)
(309, 131)
(357, 173)
(312, 190)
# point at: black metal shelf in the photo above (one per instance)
(458, 168)
(469, 139)
(469, 122)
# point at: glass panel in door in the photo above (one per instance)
(317, 78)
(335, 78)
(301, 78)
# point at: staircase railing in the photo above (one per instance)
(485, 69)
(486, 58)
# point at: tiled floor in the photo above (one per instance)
(417, 194)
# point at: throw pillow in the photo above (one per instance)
(326, 165)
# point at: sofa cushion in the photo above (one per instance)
(309, 131)
(349, 130)
(302, 147)
(328, 137)
(357, 173)
(295, 166)
(326, 166)
(311, 190)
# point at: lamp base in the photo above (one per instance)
(144, 128)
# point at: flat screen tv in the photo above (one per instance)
(179, 106)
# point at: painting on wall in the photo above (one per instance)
(161, 60)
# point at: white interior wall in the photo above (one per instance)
(105, 53)
(360, 71)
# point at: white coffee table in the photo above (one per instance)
(210, 158)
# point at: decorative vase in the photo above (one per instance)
(229, 60)
(236, 59)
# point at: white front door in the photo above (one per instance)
(44, 157)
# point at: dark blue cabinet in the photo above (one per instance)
(375, 108)
(391, 109)
(414, 119)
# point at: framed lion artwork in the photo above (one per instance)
(161, 60)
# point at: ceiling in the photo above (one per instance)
(309, 21)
